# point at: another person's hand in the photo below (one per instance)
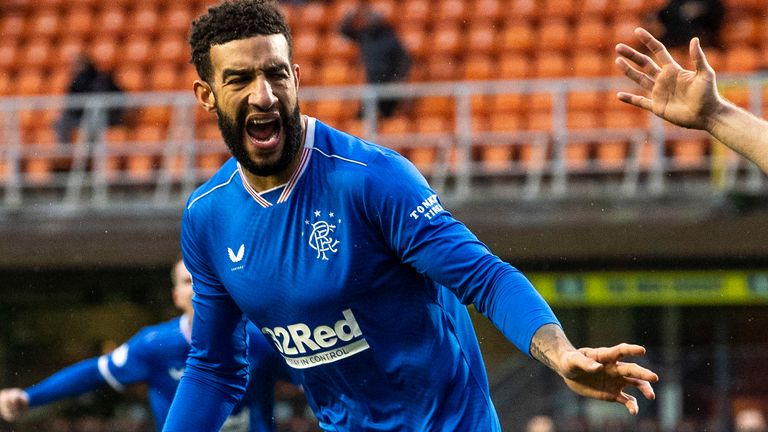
(14, 403)
(598, 373)
(684, 97)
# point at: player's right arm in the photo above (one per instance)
(689, 98)
(217, 367)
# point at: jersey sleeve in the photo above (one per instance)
(427, 237)
(128, 363)
(217, 366)
(71, 381)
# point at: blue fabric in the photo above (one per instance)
(361, 278)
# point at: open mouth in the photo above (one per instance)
(263, 132)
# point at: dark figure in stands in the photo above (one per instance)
(685, 19)
(384, 57)
(87, 78)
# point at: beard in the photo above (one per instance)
(232, 130)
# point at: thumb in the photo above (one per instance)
(698, 57)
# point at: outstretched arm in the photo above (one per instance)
(596, 373)
(71, 381)
(689, 98)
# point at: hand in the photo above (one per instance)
(597, 373)
(14, 403)
(684, 97)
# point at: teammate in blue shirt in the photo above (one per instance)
(156, 355)
(340, 252)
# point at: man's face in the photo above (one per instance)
(255, 88)
(182, 288)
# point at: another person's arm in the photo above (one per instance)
(689, 98)
(468, 268)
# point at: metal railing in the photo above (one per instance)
(88, 177)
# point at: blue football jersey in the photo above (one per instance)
(156, 356)
(360, 278)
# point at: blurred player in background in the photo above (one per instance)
(340, 251)
(156, 355)
(689, 98)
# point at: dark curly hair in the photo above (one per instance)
(233, 20)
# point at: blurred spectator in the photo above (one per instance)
(540, 423)
(750, 420)
(684, 19)
(87, 78)
(383, 55)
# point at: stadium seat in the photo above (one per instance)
(414, 38)
(9, 54)
(338, 47)
(78, 21)
(45, 23)
(742, 58)
(518, 36)
(447, 39)
(583, 119)
(479, 68)
(111, 21)
(515, 66)
(37, 53)
(737, 95)
(480, 105)
(13, 26)
(416, 12)
(103, 52)
(591, 63)
(131, 77)
(576, 155)
(585, 100)
(144, 19)
(482, 38)
(450, 11)
(336, 111)
(506, 122)
(314, 16)
(429, 106)
(31, 82)
(688, 153)
(67, 50)
(395, 125)
(550, 64)
(442, 68)
(741, 29)
(388, 8)
(595, 8)
(138, 49)
(554, 35)
(306, 46)
(611, 154)
(508, 103)
(335, 72)
(486, 10)
(164, 77)
(540, 121)
(560, 8)
(176, 19)
(592, 32)
(522, 10)
(173, 48)
(149, 141)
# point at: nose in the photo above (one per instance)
(261, 95)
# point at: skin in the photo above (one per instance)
(255, 75)
(14, 402)
(689, 98)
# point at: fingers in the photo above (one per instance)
(628, 401)
(614, 353)
(633, 370)
(638, 101)
(644, 386)
(657, 48)
(13, 404)
(643, 61)
(642, 79)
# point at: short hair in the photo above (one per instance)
(233, 20)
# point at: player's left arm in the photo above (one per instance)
(596, 373)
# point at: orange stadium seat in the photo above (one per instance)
(338, 47)
(518, 36)
(481, 38)
(68, 49)
(522, 10)
(396, 125)
(132, 77)
(506, 122)
(31, 82)
(737, 95)
(560, 8)
(442, 68)
(59, 80)
(103, 52)
(417, 12)
(414, 38)
(450, 11)
(479, 68)
(13, 26)
(741, 29)
(38, 53)
(595, 8)
(144, 19)
(555, 34)
(688, 153)
(592, 63)
(480, 105)
(155, 115)
(540, 121)
(138, 49)
(164, 77)
(434, 106)
(336, 111)
(176, 18)
(140, 166)
(78, 21)
(335, 72)
(487, 10)
(508, 103)
(514, 66)
(623, 30)
(111, 21)
(306, 46)
(611, 154)
(388, 8)
(550, 64)
(742, 58)
(583, 119)
(592, 32)
(447, 39)
(585, 100)
(172, 47)
(45, 23)
(9, 54)
(314, 16)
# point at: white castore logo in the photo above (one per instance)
(240, 254)
(176, 373)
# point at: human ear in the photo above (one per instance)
(204, 95)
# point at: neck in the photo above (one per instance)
(264, 183)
